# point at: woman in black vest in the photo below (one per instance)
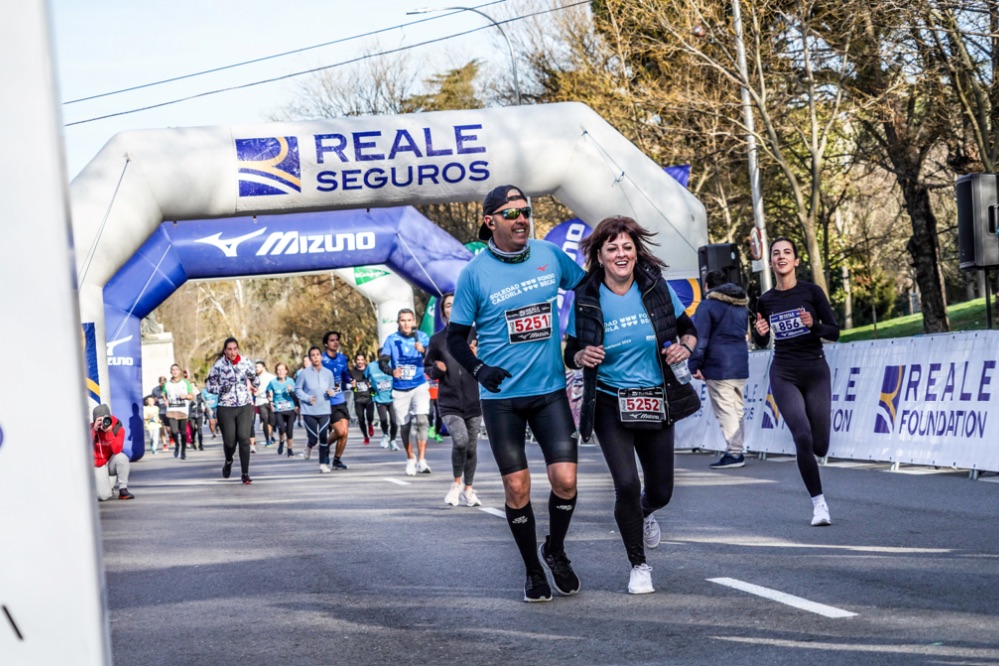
(628, 332)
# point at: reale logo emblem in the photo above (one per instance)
(268, 166)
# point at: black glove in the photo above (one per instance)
(490, 377)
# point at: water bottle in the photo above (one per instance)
(680, 369)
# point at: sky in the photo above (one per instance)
(108, 45)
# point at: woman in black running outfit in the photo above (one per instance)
(799, 316)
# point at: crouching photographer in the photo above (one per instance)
(108, 437)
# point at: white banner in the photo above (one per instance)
(923, 401)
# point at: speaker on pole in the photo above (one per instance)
(722, 257)
(978, 221)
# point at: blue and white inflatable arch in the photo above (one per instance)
(142, 178)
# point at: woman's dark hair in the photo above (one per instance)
(226, 344)
(609, 229)
(794, 248)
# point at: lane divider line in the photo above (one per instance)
(784, 598)
(398, 482)
(495, 512)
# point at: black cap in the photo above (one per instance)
(494, 200)
(101, 410)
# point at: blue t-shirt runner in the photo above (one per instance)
(514, 308)
(627, 333)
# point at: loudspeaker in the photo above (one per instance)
(977, 221)
(722, 257)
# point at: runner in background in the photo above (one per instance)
(178, 394)
(281, 392)
(800, 317)
(338, 365)
(196, 418)
(382, 397)
(314, 387)
(363, 405)
(234, 380)
(263, 405)
(211, 402)
(410, 393)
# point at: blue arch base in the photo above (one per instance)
(402, 238)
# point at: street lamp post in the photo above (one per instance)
(509, 46)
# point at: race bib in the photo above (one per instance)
(787, 325)
(362, 386)
(385, 385)
(530, 323)
(408, 371)
(283, 405)
(641, 406)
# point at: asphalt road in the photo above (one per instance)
(368, 566)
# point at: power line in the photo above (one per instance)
(320, 69)
(274, 56)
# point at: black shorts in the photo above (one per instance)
(339, 412)
(551, 422)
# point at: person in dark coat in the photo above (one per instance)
(721, 359)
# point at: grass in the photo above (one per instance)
(967, 316)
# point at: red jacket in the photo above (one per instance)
(107, 442)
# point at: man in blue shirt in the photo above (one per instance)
(410, 392)
(338, 364)
(509, 293)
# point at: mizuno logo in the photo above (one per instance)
(228, 247)
(112, 345)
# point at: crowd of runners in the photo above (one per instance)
(500, 363)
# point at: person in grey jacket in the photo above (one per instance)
(721, 359)
(234, 380)
(314, 388)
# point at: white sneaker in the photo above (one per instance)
(253, 448)
(308, 452)
(324, 469)
(394, 445)
(453, 494)
(470, 498)
(385, 442)
(820, 516)
(651, 533)
(422, 467)
(641, 580)
(411, 467)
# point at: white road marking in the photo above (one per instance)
(899, 648)
(398, 482)
(784, 598)
(495, 512)
(763, 542)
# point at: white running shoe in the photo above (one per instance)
(470, 498)
(253, 448)
(308, 452)
(651, 533)
(385, 442)
(422, 467)
(453, 494)
(324, 469)
(394, 445)
(411, 467)
(641, 580)
(820, 515)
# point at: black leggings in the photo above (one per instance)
(236, 424)
(178, 428)
(365, 414)
(284, 424)
(655, 453)
(551, 422)
(386, 416)
(802, 392)
(195, 422)
(316, 429)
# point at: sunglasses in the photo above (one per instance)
(513, 213)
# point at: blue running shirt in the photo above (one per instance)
(404, 356)
(282, 392)
(514, 308)
(630, 348)
(339, 366)
(381, 384)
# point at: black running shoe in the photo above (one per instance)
(246, 479)
(226, 469)
(123, 494)
(536, 588)
(338, 464)
(564, 579)
(280, 447)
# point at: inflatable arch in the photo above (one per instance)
(143, 178)
(387, 242)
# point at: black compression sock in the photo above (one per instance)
(559, 516)
(521, 522)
